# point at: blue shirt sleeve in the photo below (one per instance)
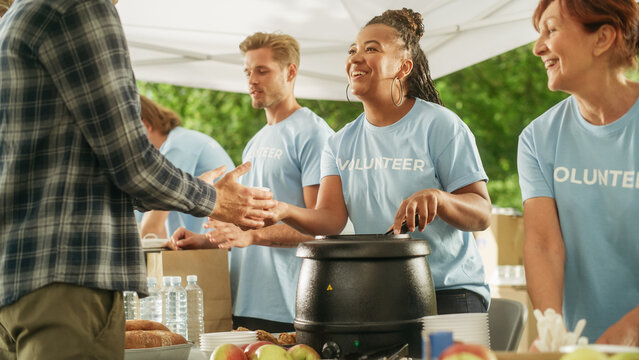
(329, 167)
(311, 157)
(458, 163)
(531, 178)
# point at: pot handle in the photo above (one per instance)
(404, 228)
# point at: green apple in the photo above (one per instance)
(272, 352)
(585, 354)
(303, 352)
(251, 349)
(228, 352)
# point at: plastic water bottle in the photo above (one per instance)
(131, 309)
(195, 309)
(166, 285)
(175, 307)
(151, 306)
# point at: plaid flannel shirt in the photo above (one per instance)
(74, 156)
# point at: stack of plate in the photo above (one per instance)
(471, 328)
(209, 341)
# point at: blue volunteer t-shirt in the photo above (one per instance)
(286, 157)
(195, 153)
(379, 167)
(592, 173)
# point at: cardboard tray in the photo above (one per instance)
(507, 355)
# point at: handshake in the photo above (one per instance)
(238, 204)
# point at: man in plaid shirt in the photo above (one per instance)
(74, 161)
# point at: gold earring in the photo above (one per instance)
(401, 94)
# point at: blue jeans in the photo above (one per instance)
(459, 301)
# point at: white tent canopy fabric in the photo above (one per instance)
(195, 42)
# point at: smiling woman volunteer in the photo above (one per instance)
(405, 154)
(578, 167)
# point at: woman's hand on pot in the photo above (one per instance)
(424, 203)
(226, 235)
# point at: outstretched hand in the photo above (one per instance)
(185, 239)
(211, 175)
(224, 235)
(241, 205)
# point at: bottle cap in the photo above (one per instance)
(191, 278)
(151, 281)
(439, 341)
(167, 280)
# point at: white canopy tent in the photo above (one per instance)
(195, 42)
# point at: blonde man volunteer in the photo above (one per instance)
(286, 156)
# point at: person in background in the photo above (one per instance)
(406, 155)
(188, 150)
(286, 155)
(578, 169)
(74, 161)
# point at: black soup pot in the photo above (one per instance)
(361, 293)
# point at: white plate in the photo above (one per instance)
(604, 348)
(174, 352)
(229, 333)
(234, 340)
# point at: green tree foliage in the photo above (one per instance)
(496, 98)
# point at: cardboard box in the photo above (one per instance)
(503, 242)
(502, 245)
(508, 231)
(212, 269)
(504, 355)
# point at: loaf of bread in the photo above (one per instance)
(142, 334)
(140, 339)
(144, 325)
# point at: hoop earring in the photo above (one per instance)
(401, 94)
(347, 86)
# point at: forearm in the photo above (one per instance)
(279, 235)
(467, 211)
(545, 274)
(116, 135)
(153, 222)
(315, 221)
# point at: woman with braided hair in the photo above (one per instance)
(405, 155)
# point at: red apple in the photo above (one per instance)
(461, 351)
(228, 352)
(250, 349)
(303, 352)
(272, 352)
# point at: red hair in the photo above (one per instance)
(623, 15)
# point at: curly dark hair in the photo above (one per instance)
(410, 28)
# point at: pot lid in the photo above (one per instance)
(363, 246)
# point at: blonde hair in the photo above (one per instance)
(286, 50)
(4, 6)
(160, 118)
